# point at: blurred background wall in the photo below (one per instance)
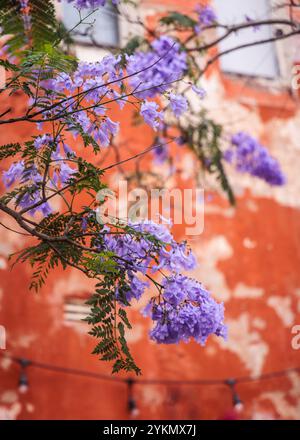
(249, 257)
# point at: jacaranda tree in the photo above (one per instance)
(156, 72)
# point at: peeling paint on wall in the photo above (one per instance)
(246, 343)
(243, 291)
(283, 308)
(209, 254)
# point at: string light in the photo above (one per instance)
(131, 402)
(236, 401)
(23, 383)
(78, 372)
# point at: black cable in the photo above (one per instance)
(83, 373)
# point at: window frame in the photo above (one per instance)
(284, 58)
(90, 45)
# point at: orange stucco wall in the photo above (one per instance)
(249, 257)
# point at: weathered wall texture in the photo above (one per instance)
(249, 257)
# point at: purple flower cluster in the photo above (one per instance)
(184, 309)
(13, 174)
(97, 82)
(30, 198)
(157, 68)
(104, 81)
(138, 249)
(247, 155)
(24, 4)
(29, 175)
(59, 155)
(136, 252)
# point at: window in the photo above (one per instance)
(75, 310)
(260, 60)
(105, 28)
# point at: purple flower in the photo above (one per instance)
(174, 292)
(136, 289)
(159, 231)
(150, 114)
(150, 74)
(43, 140)
(103, 133)
(184, 309)
(32, 197)
(84, 223)
(247, 155)
(107, 129)
(158, 67)
(181, 140)
(137, 249)
(206, 16)
(32, 174)
(180, 318)
(178, 104)
(199, 91)
(13, 174)
(160, 154)
(91, 78)
(63, 173)
(176, 258)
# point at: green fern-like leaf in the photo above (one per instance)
(42, 27)
(9, 150)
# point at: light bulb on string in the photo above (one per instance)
(236, 400)
(237, 403)
(131, 402)
(23, 383)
